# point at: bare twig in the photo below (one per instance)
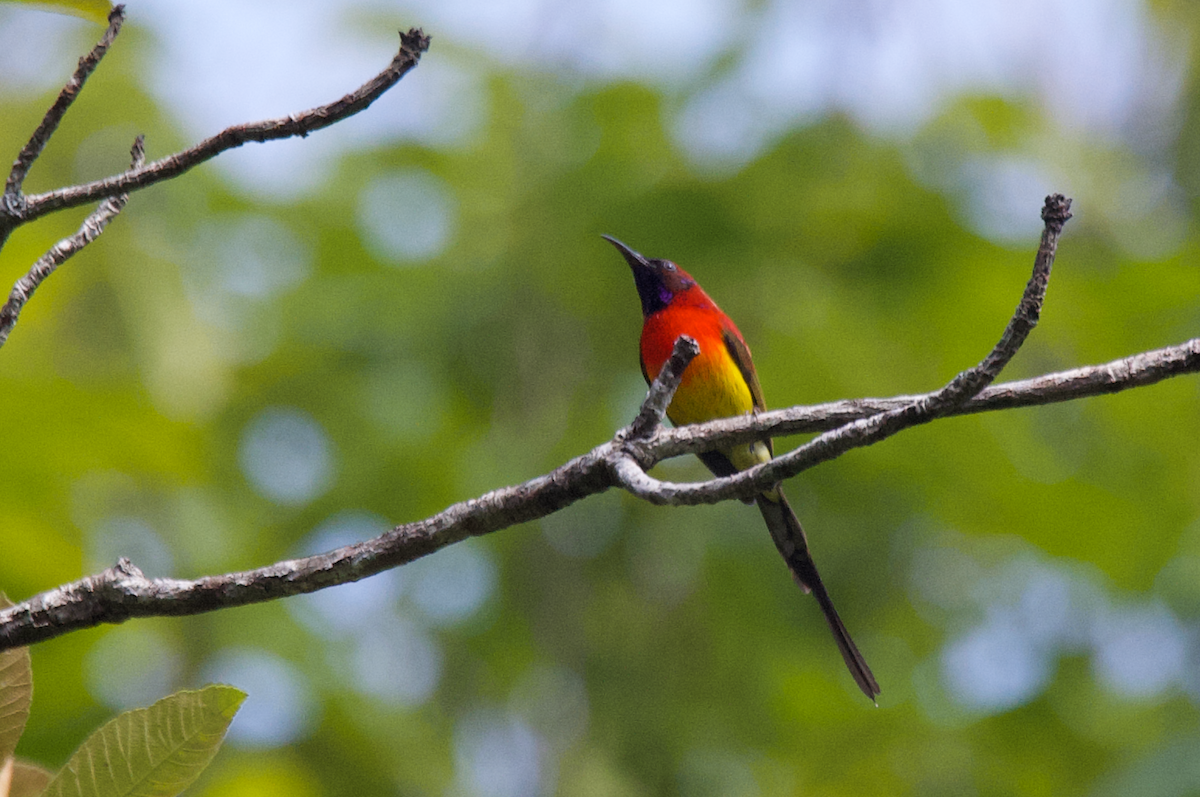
(89, 231)
(412, 45)
(1138, 370)
(37, 142)
(662, 389)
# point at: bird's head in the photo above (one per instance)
(658, 281)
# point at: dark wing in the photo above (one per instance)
(719, 464)
(716, 461)
(741, 357)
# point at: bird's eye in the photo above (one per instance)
(669, 266)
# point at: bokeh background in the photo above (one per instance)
(303, 343)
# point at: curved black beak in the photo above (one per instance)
(634, 258)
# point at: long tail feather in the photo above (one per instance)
(793, 545)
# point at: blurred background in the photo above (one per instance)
(302, 343)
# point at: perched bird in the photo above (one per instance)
(719, 383)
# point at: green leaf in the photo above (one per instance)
(95, 10)
(28, 780)
(151, 752)
(16, 693)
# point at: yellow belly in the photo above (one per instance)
(713, 387)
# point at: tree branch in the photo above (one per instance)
(17, 209)
(89, 231)
(1138, 370)
(649, 419)
(123, 592)
(37, 142)
(412, 45)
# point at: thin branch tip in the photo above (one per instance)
(687, 346)
(14, 204)
(91, 229)
(125, 567)
(662, 389)
(1057, 210)
(415, 41)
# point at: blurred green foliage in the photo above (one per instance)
(623, 648)
(94, 10)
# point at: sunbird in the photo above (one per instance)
(720, 383)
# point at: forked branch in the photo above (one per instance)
(89, 231)
(16, 208)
